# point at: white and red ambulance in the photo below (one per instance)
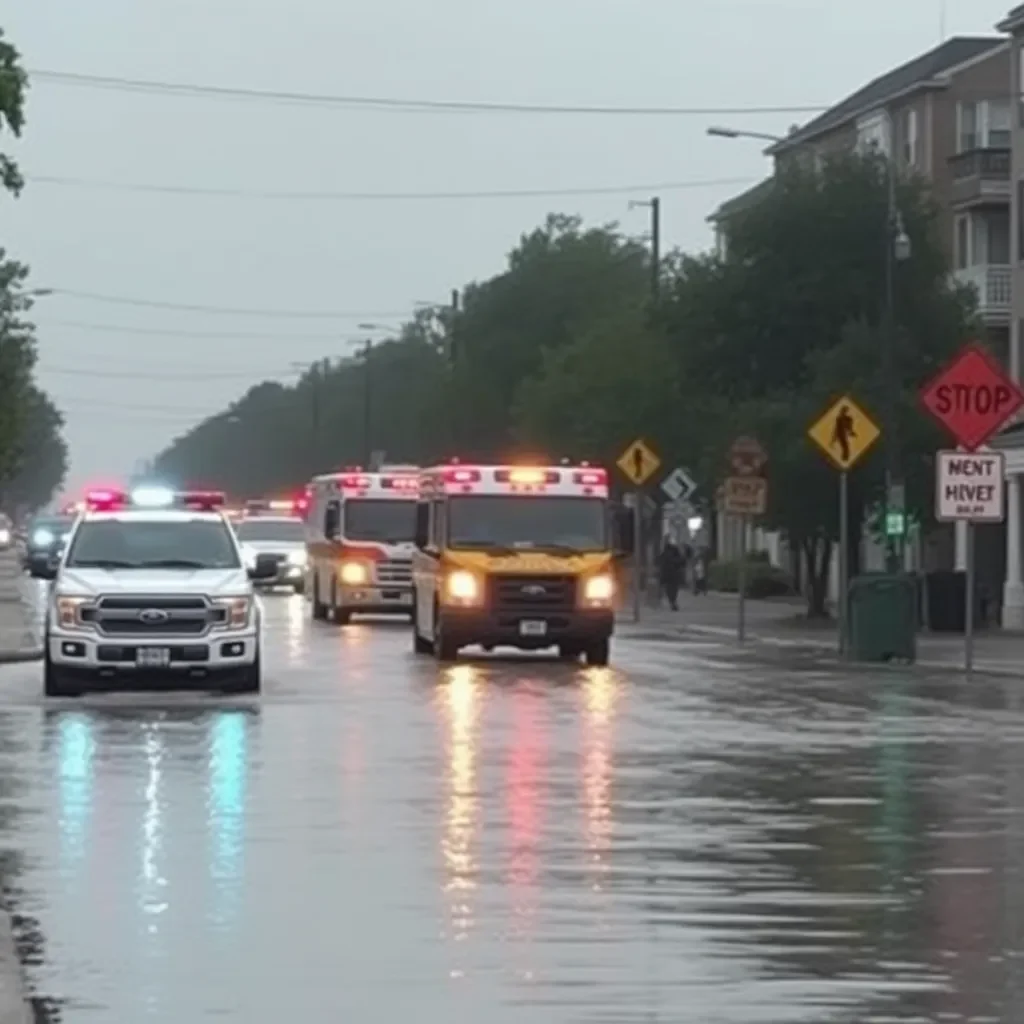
(360, 529)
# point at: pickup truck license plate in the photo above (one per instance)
(530, 627)
(152, 657)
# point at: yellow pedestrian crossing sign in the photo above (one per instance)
(844, 433)
(638, 462)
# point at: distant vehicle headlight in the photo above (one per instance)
(297, 557)
(43, 538)
(5, 535)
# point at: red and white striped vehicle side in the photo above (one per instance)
(580, 481)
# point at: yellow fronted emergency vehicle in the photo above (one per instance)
(516, 556)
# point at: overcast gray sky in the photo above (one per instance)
(369, 260)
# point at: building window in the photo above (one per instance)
(982, 124)
(1020, 220)
(1020, 83)
(962, 242)
(910, 138)
(873, 135)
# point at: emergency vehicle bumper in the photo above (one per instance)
(469, 626)
(217, 656)
(375, 599)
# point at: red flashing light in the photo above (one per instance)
(105, 500)
(202, 501)
(355, 480)
(402, 483)
(462, 476)
(592, 478)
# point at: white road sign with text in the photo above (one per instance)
(969, 486)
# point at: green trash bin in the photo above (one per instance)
(883, 616)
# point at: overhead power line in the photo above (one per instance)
(240, 193)
(391, 103)
(290, 314)
(170, 332)
(70, 405)
(161, 373)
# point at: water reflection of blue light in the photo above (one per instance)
(76, 780)
(228, 767)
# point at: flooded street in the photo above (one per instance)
(687, 836)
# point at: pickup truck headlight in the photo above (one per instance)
(355, 573)
(238, 611)
(599, 589)
(5, 535)
(66, 609)
(462, 587)
(297, 557)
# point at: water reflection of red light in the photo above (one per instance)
(525, 779)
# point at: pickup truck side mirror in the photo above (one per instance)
(264, 568)
(43, 567)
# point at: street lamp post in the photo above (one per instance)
(897, 250)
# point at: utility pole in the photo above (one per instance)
(897, 249)
(367, 403)
(654, 204)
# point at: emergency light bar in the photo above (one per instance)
(201, 501)
(401, 483)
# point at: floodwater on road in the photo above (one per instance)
(687, 836)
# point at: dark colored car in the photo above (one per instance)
(46, 538)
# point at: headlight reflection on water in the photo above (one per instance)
(77, 749)
(227, 780)
(459, 706)
(152, 882)
(600, 691)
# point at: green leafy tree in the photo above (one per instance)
(13, 85)
(791, 319)
(17, 360)
(41, 459)
(560, 280)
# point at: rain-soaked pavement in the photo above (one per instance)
(687, 836)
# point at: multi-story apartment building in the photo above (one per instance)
(947, 116)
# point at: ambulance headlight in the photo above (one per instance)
(463, 587)
(599, 589)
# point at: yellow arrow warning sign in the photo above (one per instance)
(638, 462)
(844, 433)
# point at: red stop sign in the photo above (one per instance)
(972, 397)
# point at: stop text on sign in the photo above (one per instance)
(969, 487)
(973, 397)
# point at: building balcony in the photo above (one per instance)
(992, 283)
(981, 177)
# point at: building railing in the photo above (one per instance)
(992, 283)
(993, 164)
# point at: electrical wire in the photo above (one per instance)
(160, 374)
(162, 332)
(290, 314)
(115, 406)
(238, 193)
(194, 89)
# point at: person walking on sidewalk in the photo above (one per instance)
(670, 572)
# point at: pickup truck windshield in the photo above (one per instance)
(527, 522)
(121, 544)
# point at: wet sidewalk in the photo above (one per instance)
(18, 640)
(781, 623)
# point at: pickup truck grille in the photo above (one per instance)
(141, 616)
(395, 572)
(533, 594)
